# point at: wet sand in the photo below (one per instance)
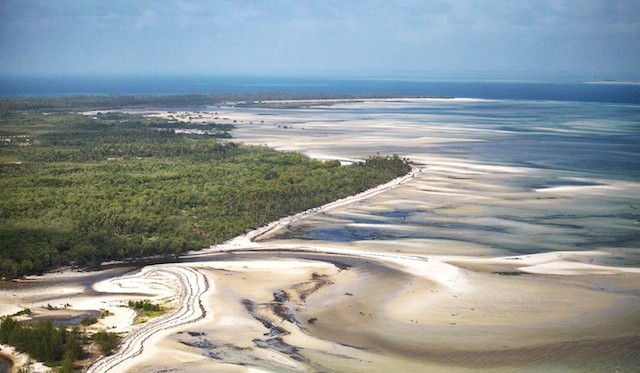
(465, 265)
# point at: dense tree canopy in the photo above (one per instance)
(42, 340)
(56, 345)
(80, 190)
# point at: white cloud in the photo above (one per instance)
(147, 18)
(296, 34)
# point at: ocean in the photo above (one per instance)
(579, 91)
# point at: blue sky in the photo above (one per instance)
(323, 37)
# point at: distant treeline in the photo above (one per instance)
(80, 190)
(77, 103)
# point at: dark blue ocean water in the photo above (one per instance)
(173, 84)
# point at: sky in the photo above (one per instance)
(382, 38)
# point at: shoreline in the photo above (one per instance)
(439, 291)
(248, 239)
(134, 340)
(240, 241)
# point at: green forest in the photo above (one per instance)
(80, 190)
(55, 345)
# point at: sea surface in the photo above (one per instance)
(569, 90)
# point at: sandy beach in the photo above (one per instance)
(462, 265)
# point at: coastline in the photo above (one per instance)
(132, 344)
(405, 298)
(248, 239)
(135, 336)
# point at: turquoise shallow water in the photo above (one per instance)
(590, 139)
(592, 147)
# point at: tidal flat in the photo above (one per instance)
(514, 246)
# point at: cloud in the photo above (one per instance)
(286, 35)
(145, 19)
